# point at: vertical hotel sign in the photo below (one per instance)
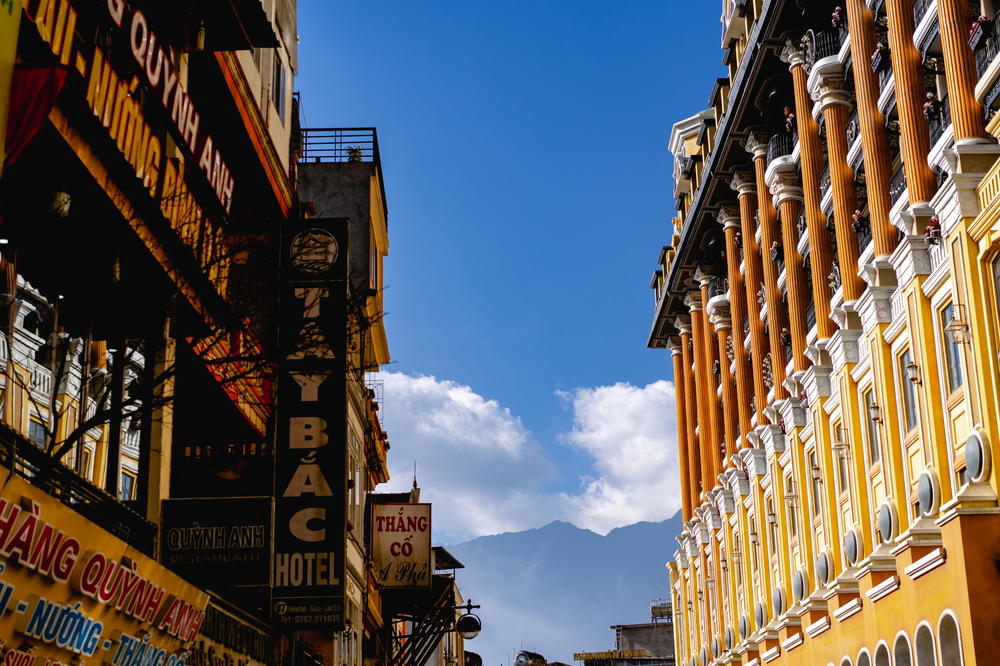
(307, 571)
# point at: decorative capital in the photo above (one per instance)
(792, 55)
(826, 85)
(785, 185)
(755, 146)
(683, 323)
(703, 275)
(743, 183)
(728, 217)
(693, 301)
(721, 318)
(674, 345)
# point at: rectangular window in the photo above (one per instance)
(842, 470)
(909, 393)
(278, 86)
(127, 487)
(874, 451)
(952, 352)
(36, 433)
(817, 497)
(772, 527)
(793, 519)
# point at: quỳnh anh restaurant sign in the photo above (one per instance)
(71, 592)
(401, 544)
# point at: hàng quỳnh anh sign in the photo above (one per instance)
(69, 591)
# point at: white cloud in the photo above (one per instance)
(475, 460)
(484, 471)
(630, 432)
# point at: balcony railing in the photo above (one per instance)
(938, 122)
(853, 128)
(42, 471)
(985, 41)
(343, 144)
(919, 9)
(718, 286)
(824, 180)
(779, 145)
(897, 184)
(827, 43)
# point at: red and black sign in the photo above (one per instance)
(307, 570)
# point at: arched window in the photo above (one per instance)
(925, 646)
(882, 656)
(864, 659)
(901, 652)
(950, 640)
(846, 662)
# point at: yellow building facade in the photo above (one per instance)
(831, 301)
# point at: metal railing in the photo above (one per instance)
(939, 123)
(42, 471)
(779, 145)
(919, 9)
(828, 43)
(985, 41)
(897, 184)
(853, 127)
(718, 286)
(343, 144)
(824, 180)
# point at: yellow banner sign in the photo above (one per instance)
(70, 591)
(611, 654)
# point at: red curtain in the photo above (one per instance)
(33, 91)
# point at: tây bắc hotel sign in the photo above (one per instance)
(307, 570)
(69, 591)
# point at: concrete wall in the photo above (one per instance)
(343, 189)
(656, 638)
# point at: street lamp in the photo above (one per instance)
(469, 625)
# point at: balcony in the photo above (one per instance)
(734, 9)
(824, 181)
(779, 145)
(42, 471)
(985, 42)
(897, 184)
(853, 128)
(939, 121)
(827, 43)
(919, 9)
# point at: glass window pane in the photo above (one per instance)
(953, 359)
(874, 452)
(909, 393)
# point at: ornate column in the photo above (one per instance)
(960, 68)
(680, 398)
(683, 324)
(826, 83)
(811, 163)
(874, 140)
(730, 417)
(782, 180)
(745, 186)
(702, 387)
(730, 221)
(909, 83)
(777, 318)
(712, 362)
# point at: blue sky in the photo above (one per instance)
(524, 149)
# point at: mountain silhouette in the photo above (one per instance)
(557, 589)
